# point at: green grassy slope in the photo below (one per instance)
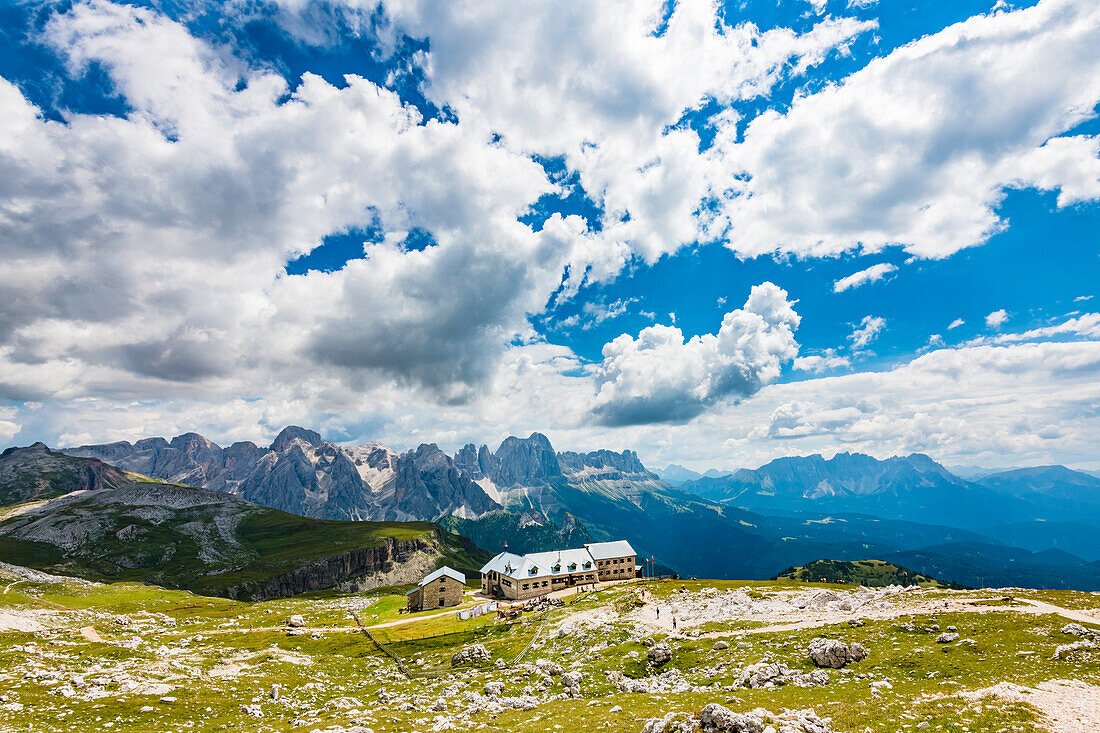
(871, 573)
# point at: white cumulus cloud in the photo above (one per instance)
(918, 147)
(997, 318)
(660, 377)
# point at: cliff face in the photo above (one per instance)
(369, 567)
(525, 462)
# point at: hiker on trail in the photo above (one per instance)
(674, 622)
(658, 612)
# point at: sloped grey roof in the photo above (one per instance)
(607, 550)
(437, 574)
(541, 564)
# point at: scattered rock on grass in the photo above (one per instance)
(1065, 649)
(1076, 630)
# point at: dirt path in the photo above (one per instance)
(413, 619)
(647, 615)
(1079, 616)
(1069, 706)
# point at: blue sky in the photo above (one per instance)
(624, 226)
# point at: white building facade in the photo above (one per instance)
(518, 577)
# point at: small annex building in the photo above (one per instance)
(518, 577)
(439, 589)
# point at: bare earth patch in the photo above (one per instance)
(89, 633)
(16, 621)
(1069, 706)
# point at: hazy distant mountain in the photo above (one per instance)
(677, 475)
(1036, 535)
(913, 488)
(989, 566)
(973, 473)
(1051, 482)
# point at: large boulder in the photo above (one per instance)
(659, 653)
(572, 679)
(473, 653)
(835, 654)
(763, 674)
(295, 621)
(1076, 630)
(715, 717)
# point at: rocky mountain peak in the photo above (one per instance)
(466, 461)
(285, 439)
(625, 462)
(525, 461)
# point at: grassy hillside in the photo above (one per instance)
(213, 543)
(871, 573)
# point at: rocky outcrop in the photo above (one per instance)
(714, 717)
(331, 571)
(475, 653)
(602, 460)
(766, 673)
(659, 653)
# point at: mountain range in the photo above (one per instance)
(912, 487)
(527, 496)
(112, 525)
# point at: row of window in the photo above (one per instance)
(557, 581)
